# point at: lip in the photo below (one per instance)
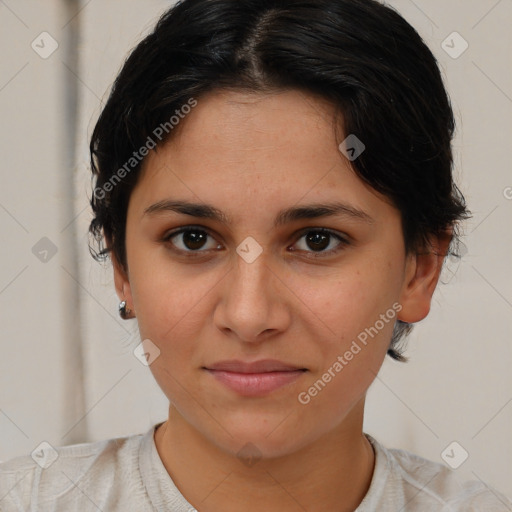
(261, 366)
(256, 378)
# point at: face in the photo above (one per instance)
(254, 284)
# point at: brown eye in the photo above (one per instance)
(190, 240)
(194, 240)
(318, 240)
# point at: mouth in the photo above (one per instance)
(254, 379)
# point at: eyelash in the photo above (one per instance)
(342, 241)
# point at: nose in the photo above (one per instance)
(253, 304)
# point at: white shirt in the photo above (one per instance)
(126, 474)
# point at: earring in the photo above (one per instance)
(124, 312)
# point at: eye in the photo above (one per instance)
(191, 239)
(319, 239)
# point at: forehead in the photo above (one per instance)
(242, 125)
(242, 149)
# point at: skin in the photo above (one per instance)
(251, 155)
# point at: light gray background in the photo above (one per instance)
(67, 372)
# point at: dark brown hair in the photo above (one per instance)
(359, 54)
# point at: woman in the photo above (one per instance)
(273, 185)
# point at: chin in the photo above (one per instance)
(253, 441)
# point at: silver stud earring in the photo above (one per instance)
(124, 312)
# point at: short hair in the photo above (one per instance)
(361, 55)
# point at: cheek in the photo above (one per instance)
(358, 308)
(353, 298)
(169, 300)
(350, 361)
(171, 313)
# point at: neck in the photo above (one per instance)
(332, 473)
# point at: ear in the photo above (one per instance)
(121, 280)
(422, 271)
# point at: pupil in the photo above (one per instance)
(319, 240)
(194, 239)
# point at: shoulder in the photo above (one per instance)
(421, 485)
(50, 473)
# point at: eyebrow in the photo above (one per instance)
(308, 211)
